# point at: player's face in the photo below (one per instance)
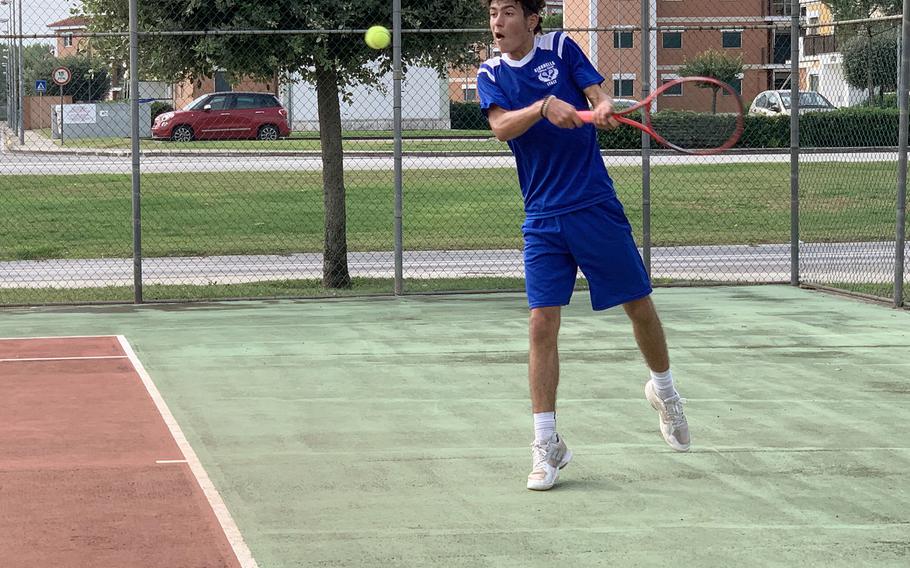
(512, 31)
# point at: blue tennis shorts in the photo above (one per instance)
(596, 239)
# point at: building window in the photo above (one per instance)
(813, 82)
(675, 91)
(672, 40)
(732, 39)
(67, 40)
(623, 84)
(781, 80)
(737, 85)
(622, 40)
(470, 94)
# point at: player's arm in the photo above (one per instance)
(509, 124)
(602, 104)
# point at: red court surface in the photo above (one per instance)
(90, 473)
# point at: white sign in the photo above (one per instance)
(77, 114)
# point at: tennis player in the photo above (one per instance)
(573, 217)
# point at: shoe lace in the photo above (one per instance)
(539, 453)
(675, 411)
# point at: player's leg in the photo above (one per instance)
(600, 238)
(549, 278)
(659, 390)
(543, 359)
(649, 334)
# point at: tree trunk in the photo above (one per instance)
(870, 88)
(335, 259)
(714, 100)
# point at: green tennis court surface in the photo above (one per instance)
(394, 432)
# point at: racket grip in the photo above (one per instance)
(585, 115)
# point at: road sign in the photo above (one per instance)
(62, 75)
(40, 86)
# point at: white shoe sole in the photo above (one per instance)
(543, 485)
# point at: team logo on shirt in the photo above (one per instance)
(547, 73)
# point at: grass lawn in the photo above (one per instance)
(362, 141)
(275, 289)
(88, 216)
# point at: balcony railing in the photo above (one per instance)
(779, 8)
(818, 44)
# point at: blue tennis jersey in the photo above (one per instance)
(559, 169)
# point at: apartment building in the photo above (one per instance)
(463, 82)
(67, 42)
(617, 54)
(820, 62)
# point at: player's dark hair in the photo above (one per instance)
(529, 7)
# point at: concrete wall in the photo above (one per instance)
(101, 120)
(424, 103)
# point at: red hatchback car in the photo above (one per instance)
(220, 116)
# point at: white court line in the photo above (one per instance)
(231, 531)
(170, 461)
(63, 358)
(57, 337)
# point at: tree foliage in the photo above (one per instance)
(715, 64)
(330, 60)
(872, 61)
(91, 76)
(860, 9)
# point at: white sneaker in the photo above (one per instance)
(673, 425)
(547, 458)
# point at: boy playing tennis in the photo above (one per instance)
(573, 217)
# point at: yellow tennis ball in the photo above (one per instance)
(378, 37)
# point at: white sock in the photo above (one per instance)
(544, 425)
(664, 383)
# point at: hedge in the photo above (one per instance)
(846, 127)
(467, 116)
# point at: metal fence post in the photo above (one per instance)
(645, 139)
(134, 135)
(14, 70)
(21, 117)
(901, 236)
(396, 118)
(794, 142)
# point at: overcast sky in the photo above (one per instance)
(39, 13)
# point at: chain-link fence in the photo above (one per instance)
(267, 151)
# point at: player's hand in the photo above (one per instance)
(603, 115)
(562, 114)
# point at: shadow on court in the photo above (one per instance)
(395, 432)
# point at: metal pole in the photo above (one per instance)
(14, 53)
(21, 117)
(645, 139)
(60, 114)
(396, 119)
(9, 75)
(901, 239)
(134, 135)
(794, 142)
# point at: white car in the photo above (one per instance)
(777, 103)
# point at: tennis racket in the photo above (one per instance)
(685, 121)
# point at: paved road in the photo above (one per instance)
(842, 262)
(12, 163)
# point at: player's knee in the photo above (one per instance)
(544, 325)
(641, 310)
